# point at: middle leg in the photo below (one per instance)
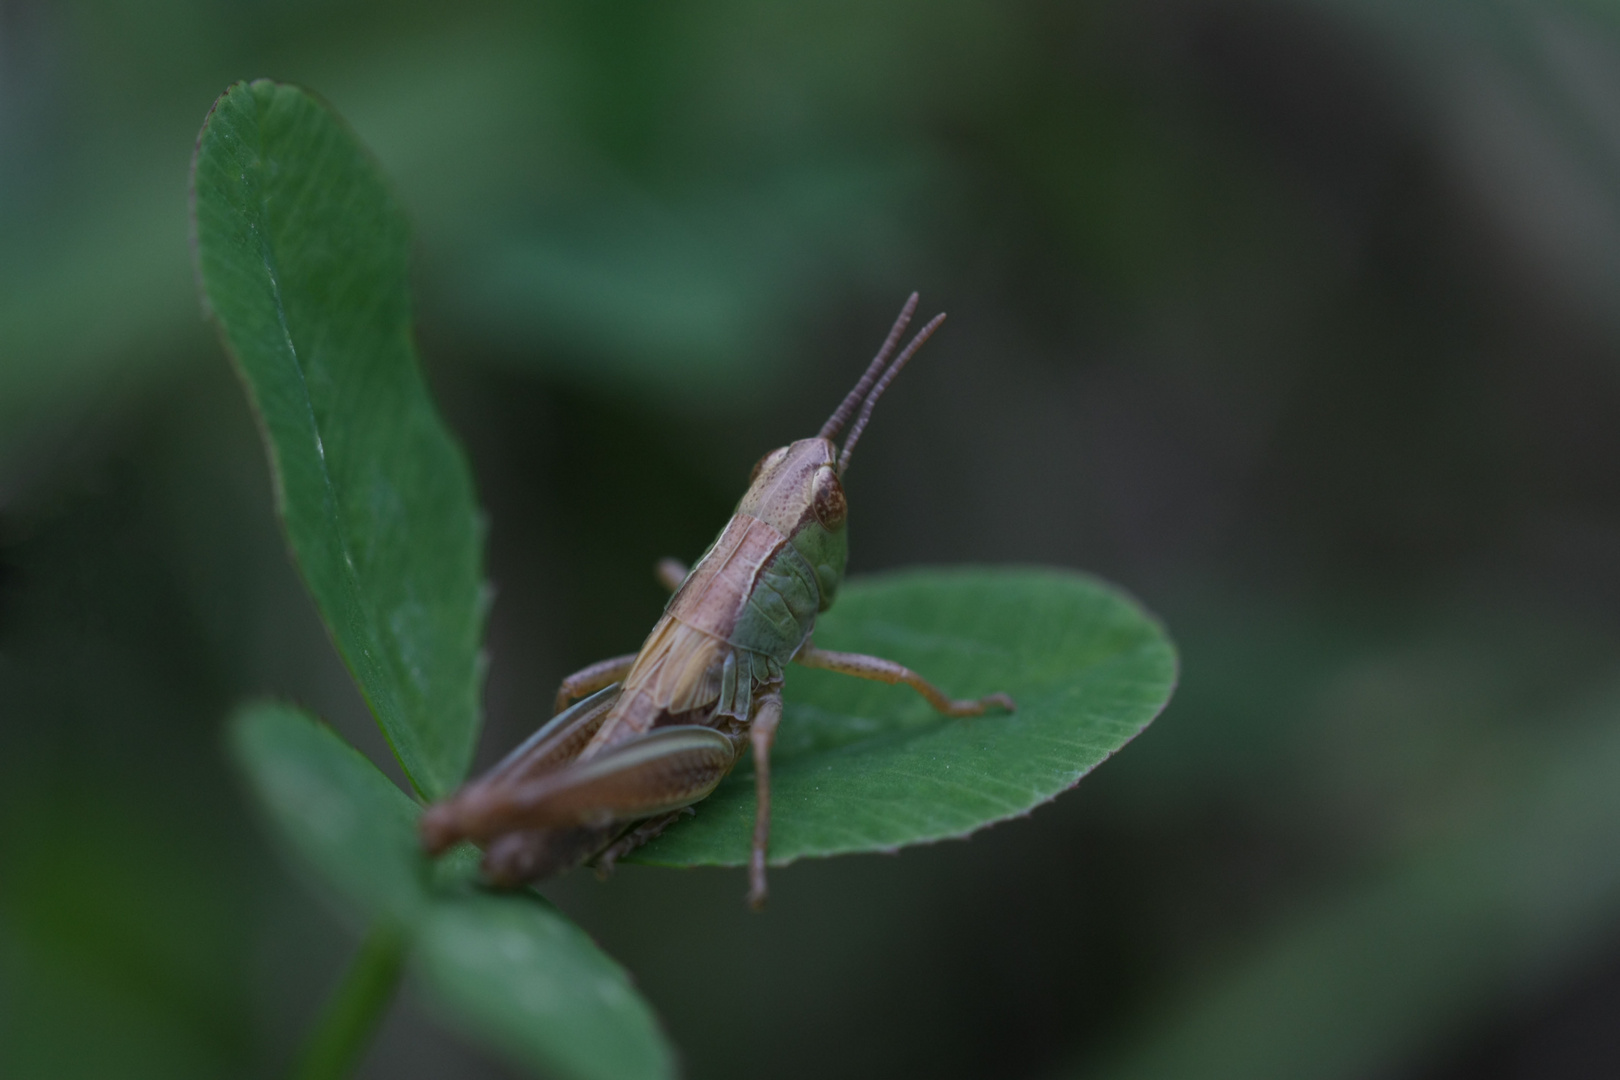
(767, 714)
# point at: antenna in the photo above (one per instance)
(883, 384)
(840, 416)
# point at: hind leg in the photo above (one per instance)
(633, 839)
(517, 858)
(556, 821)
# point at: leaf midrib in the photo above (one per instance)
(351, 577)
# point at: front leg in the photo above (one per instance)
(887, 671)
(588, 680)
(767, 714)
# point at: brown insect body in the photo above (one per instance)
(680, 670)
(664, 726)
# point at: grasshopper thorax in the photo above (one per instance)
(795, 489)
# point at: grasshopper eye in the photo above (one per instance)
(830, 507)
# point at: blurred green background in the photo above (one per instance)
(1301, 320)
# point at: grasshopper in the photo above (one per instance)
(657, 730)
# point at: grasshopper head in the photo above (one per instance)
(798, 488)
(795, 489)
(795, 484)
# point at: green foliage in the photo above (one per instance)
(508, 965)
(303, 255)
(1298, 316)
(303, 260)
(356, 1007)
(860, 766)
(1368, 975)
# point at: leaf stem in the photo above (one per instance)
(355, 1007)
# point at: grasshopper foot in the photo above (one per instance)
(757, 891)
